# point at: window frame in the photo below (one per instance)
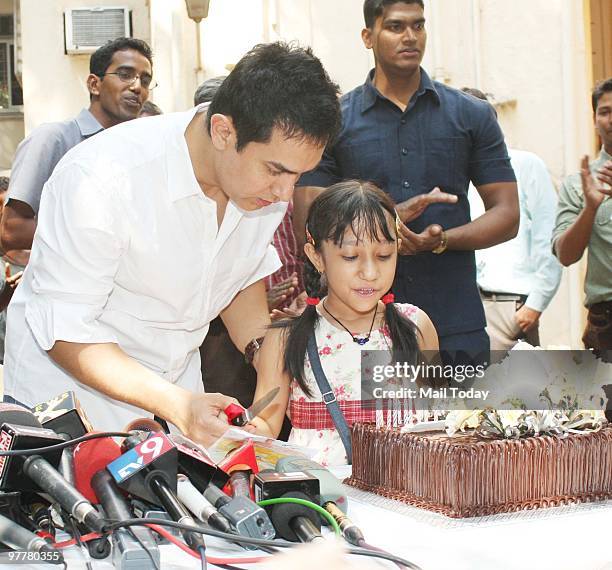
(9, 41)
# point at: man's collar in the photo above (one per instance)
(370, 93)
(181, 178)
(604, 156)
(88, 124)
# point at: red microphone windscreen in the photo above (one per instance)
(17, 415)
(89, 457)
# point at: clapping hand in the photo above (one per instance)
(281, 291)
(414, 207)
(413, 243)
(593, 190)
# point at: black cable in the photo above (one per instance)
(135, 537)
(64, 444)
(77, 537)
(202, 552)
(248, 540)
(363, 544)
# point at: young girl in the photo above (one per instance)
(351, 249)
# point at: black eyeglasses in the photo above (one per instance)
(130, 76)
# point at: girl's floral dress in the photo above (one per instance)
(340, 357)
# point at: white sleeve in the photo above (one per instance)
(77, 247)
(268, 265)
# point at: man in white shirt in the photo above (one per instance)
(150, 230)
(519, 278)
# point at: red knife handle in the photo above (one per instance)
(234, 413)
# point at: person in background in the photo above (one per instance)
(11, 270)
(519, 278)
(584, 221)
(149, 109)
(119, 81)
(422, 142)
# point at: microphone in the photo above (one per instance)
(333, 498)
(29, 434)
(329, 485)
(149, 471)
(93, 480)
(63, 415)
(294, 522)
(128, 552)
(248, 518)
(199, 506)
(19, 538)
(240, 482)
(89, 457)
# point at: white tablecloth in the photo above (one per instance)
(575, 537)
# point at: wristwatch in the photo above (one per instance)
(441, 248)
(251, 348)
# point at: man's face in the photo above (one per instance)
(398, 38)
(603, 119)
(263, 173)
(121, 100)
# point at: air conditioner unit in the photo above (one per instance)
(86, 29)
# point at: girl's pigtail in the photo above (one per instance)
(302, 327)
(298, 330)
(403, 333)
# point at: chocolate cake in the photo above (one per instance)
(467, 476)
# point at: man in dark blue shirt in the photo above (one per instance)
(423, 142)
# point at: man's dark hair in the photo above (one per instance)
(150, 109)
(480, 95)
(475, 93)
(206, 91)
(279, 85)
(101, 58)
(372, 9)
(599, 90)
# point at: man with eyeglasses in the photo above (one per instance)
(119, 81)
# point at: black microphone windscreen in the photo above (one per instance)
(17, 415)
(283, 513)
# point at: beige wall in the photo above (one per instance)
(173, 40)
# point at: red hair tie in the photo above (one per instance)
(312, 301)
(388, 298)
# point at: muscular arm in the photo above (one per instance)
(247, 316)
(499, 223)
(18, 225)
(571, 244)
(107, 369)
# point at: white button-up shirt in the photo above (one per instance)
(524, 265)
(128, 251)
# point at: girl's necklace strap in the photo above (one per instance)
(358, 339)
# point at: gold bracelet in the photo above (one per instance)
(441, 248)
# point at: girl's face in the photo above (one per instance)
(360, 271)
